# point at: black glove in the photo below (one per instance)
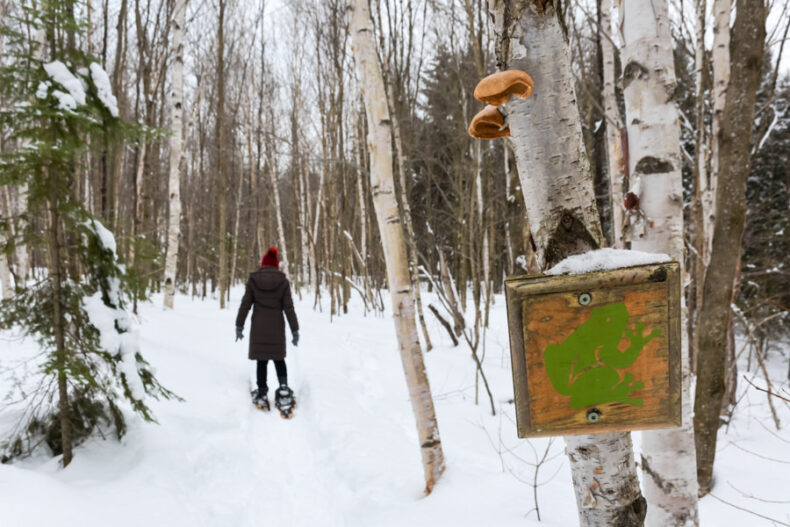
(295, 339)
(239, 334)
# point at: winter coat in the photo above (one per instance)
(269, 291)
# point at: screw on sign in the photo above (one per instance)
(598, 352)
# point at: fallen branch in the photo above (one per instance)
(769, 392)
(778, 522)
(444, 323)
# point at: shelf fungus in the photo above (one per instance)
(489, 123)
(497, 88)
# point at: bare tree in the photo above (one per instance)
(222, 177)
(176, 150)
(656, 192)
(616, 145)
(395, 252)
(733, 161)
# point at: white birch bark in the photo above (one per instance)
(482, 223)
(176, 147)
(138, 209)
(304, 221)
(410, 238)
(5, 270)
(652, 122)
(554, 170)
(282, 250)
(720, 59)
(5, 276)
(395, 254)
(615, 136)
(234, 253)
(17, 194)
(558, 193)
(19, 205)
(363, 215)
(699, 75)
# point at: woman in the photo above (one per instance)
(270, 292)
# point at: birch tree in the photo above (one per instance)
(275, 181)
(5, 270)
(707, 174)
(615, 136)
(733, 162)
(222, 181)
(656, 188)
(563, 219)
(176, 129)
(395, 253)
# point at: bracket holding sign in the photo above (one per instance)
(598, 352)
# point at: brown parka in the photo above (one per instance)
(269, 291)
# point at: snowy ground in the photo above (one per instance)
(349, 457)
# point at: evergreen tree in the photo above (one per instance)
(58, 101)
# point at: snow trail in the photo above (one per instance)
(349, 456)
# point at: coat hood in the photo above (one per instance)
(268, 278)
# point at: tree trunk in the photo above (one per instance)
(706, 181)
(234, 252)
(733, 162)
(615, 132)
(558, 193)
(176, 128)
(274, 179)
(564, 220)
(720, 58)
(5, 270)
(386, 206)
(655, 166)
(363, 212)
(699, 178)
(414, 266)
(58, 322)
(222, 177)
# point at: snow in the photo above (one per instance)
(349, 457)
(605, 260)
(59, 73)
(43, 89)
(103, 88)
(106, 237)
(108, 321)
(65, 101)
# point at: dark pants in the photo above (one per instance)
(282, 374)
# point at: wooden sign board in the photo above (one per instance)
(597, 352)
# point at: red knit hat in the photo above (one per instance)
(270, 258)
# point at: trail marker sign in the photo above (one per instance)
(598, 352)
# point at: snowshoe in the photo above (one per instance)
(260, 402)
(284, 401)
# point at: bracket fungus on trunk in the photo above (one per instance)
(489, 123)
(495, 90)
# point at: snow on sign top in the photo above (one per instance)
(605, 260)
